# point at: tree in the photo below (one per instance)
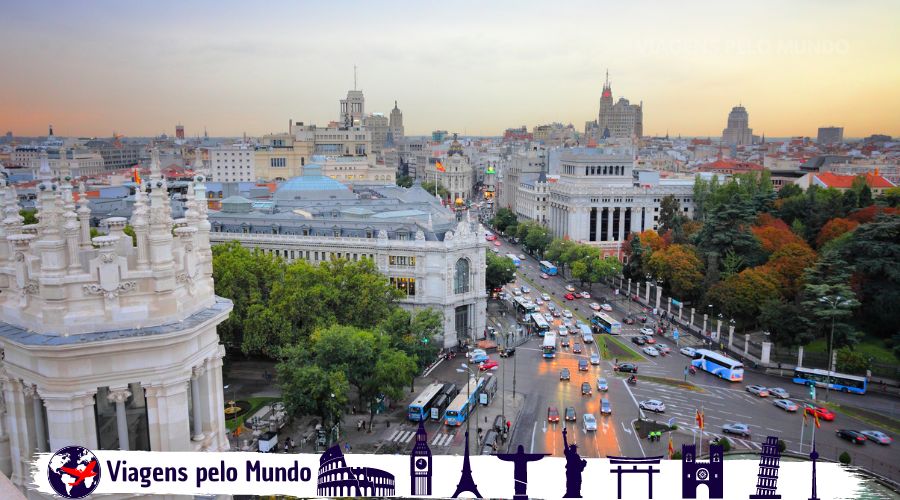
(732, 264)
(405, 181)
(265, 331)
(538, 239)
(670, 215)
(834, 228)
(634, 250)
(787, 323)
(310, 390)
(788, 264)
(433, 187)
(29, 215)
(499, 271)
(773, 233)
(558, 248)
(789, 190)
(874, 252)
(503, 220)
(850, 361)
(890, 197)
(844, 458)
(393, 370)
(743, 295)
(652, 240)
(415, 333)
(680, 269)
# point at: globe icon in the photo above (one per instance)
(74, 472)
(702, 474)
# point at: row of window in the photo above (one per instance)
(277, 162)
(402, 260)
(315, 255)
(406, 285)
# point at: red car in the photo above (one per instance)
(553, 414)
(487, 365)
(569, 296)
(496, 243)
(824, 413)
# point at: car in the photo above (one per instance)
(538, 301)
(564, 342)
(854, 437)
(585, 295)
(778, 392)
(628, 320)
(737, 429)
(595, 358)
(605, 407)
(552, 414)
(650, 340)
(563, 330)
(586, 389)
(568, 322)
(824, 413)
(663, 348)
(602, 385)
(577, 348)
(651, 351)
(570, 413)
(652, 405)
(496, 250)
(646, 331)
(582, 365)
(642, 318)
(878, 437)
(545, 276)
(548, 317)
(489, 364)
(606, 307)
(570, 288)
(507, 352)
(595, 306)
(569, 296)
(640, 340)
(564, 374)
(626, 368)
(521, 257)
(497, 243)
(525, 289)
(567, 313)
(786, 405)
(546, 297)
(479, 357)
(555, 312)
(517, 292)
(758, 390)
(688, 351)
(590, 421)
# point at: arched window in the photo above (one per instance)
(461, 279)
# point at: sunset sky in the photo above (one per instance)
(138, 68)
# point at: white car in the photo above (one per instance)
(546, 297)
(653, 405)
(736, 428)
(606, 307)
(548, 317)
(525, 289)
(877, 437)
(595, 306)
(521, 257)
(651, 351)
(568, 323)
(563, 331)
(567, 313)
(786, 405)
(688, 351)
(570, 288)
(590, 422)
(585, 295)
(758, 390)
(647, 331)
(538, 301)
(517, 292)
(778, 392)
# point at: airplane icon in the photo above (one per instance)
(81, 475)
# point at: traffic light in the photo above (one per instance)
(812, 391)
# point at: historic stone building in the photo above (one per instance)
(458, 174)
(619, 120)
(738, 131)
(105, 343)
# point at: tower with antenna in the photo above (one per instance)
(353, 108)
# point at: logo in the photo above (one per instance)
(74, 472)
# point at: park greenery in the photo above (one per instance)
(335, 329)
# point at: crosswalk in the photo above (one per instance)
(403, 436)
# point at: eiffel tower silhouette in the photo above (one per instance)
(466, 483)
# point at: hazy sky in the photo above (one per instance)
(478, 67)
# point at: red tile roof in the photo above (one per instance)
(723, 164)
(846, 181)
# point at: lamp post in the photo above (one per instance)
(834, 301)
(465, 369)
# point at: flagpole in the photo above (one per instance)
(802, 429)
(703, 424)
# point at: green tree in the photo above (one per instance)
(265, 331)
(850, 361)
(405, 181)
(30, 216)
(393, 371)
(310, 390)
(538, 239)
(890, 197)
(499, 271)
(439, 188)
(415, 333)
(504, 220)
(130, 232)
(556, 251)
(789, 190)
(670, 216)
(787, 323)
(634, 268)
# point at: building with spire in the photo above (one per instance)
(620, 119)
(396, 124)
(454, 172)
(108, 342)
(738, 131)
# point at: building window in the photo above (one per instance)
(461, 277)
(406, 285)
(278, 162)
(402, 260)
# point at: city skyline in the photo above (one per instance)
(476, 70)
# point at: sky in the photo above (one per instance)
(473, 67)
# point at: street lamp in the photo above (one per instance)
(465, 369)
(834, 301)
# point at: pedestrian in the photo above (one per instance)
(347, 447)
(358, 425)
(286, 446)
(617, 361)
(508, 425)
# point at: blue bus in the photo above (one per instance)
(420, 408)
(549, 345)
(834, 380)
(719, 365)
(586, 335)
(539, 324)
(548, 268)
(515, 259)
(606, 323)
(524, 306)
(464, 403)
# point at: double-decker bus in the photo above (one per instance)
(515, 259)
(833, 380)
(539, 324)
(549, 345)
(420, 408)
(719, 365)
(548, 268)
(464, 403)
(606, 323)
(523, 306)
(586, 335)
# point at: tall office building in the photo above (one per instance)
(830, 135)
(179, 131)
(738, 131)
(620, 120)
(396, 124)
(353, 108)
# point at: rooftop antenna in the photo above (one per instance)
(354, 77)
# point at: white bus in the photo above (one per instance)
(549, 345)
(539, 324)
(719, 365)
(606, 323)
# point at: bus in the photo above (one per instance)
(833, 380)
(515, 259)
(606, 323)
(539, 324)
(549, 345)
(420, 408)
(719, 365)
(548, 268)
(523, 306)
(464, 403)
(586, 335)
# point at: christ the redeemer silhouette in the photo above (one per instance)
(520, 473)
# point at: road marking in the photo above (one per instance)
(393, 435)
(441, 360)
(625, 383)
(638, 439)
(533, 430)
(624, 428)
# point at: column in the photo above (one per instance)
(718, 328)
(214, 405)
(669, 307)
(658, 296)
(609, 224)
(167, 415)
(621, 224)
(629, 288)
(800, 356)
(39, 432)
(680, 308)
(692, 317)
(19, 448)
(746, 343)
(71, 420)
(648, 294)
(703, 330)
(196, 373)
(730, 335)
(119, 396)
(766, 353)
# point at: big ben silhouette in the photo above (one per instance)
(420, 464)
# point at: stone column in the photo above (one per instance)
(167, 415)
(692, 317)
(648, 293)
(629, 288)
(730, 335)
(680, 308)
(718, 328)
(19, 447)
(621, 224)
(766, 353)
(196, 374)
(38, 410)
(71, 420)
(609, 224)
(669, 307)
(214, 414)
(746, 343)
(703, 329)
(119, 396)
(800, 356)
(658, 295)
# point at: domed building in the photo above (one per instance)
(454, 172)
(108, 342)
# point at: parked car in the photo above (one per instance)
(552, 414)
(585, 389)
(582, 365)
(688, 351)
(507, 352)
(605, 407)
(878, 437)
(489, 364)
(626, 368)
(577, 348)
(590, 421)
(778, 392)
(564, 374)
(854, 437)
(545, 276)
(651, 351)
(606, 307)
(758, 390)
(602, 385)
(646, 331)
(569, 296)
(570, 288)
(653, 405)
(595, 306)
(786, 405)
(585, 295)
(824, 413)
(663, 348)
(570, 413)
(737, 429)
(640, 340)
(595, 358)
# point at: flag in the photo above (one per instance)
(816, 417)
(238, 429)
(440, 167)
(805, 414)
(671, 448)
(137, 175)
(700, 419)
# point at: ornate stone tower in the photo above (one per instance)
(108, 342)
